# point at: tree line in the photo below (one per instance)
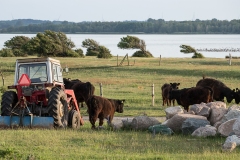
(150, 26)
(56, 44)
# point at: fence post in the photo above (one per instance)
(101, 91)
(159, 60)
(230, 59)
(117, 60)
(152, 94)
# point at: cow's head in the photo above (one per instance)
(174, 85)
(237, 96)
(232, 95)
(119, 107)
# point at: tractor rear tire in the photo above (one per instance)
(9, 100)
(58, 108)
(74, 120)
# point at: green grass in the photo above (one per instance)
(134, 84)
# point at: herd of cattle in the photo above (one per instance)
(98, 107)
(206, 90)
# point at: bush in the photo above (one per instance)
(92, 52)
(142, 54)
(104, 52)
(80, 52)
(6, 53)
(198, 55)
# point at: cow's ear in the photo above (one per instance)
(178, 83)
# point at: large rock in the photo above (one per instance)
(233, 138)
(217, 114)
(117, 125)
(216, 104)
(205, 131)
(234, 107)
(171, 111)
(231, 114)
(200, 109)
(227, 127)
(191, 124)
(236, 127)
(229, 146)
(143, 122)
(175, 123)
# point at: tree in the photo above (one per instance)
(104, 52)
(16, 45)
(50, 43)
(94, 49)
(188, 49)
(132, 42)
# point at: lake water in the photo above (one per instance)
(157, 44)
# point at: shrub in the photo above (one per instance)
(142, 54)
(198, 55)
(80, 52)
(92, 52)
(104, 52)
(6, 53)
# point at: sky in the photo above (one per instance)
(119, 10)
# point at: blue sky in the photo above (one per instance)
(119, 10)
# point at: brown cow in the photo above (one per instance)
(81, 89)
(219, 88)
(165, 93)
(194, 95)
(100, 107)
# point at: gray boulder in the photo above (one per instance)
(231, 114)
(171, 111)
(191, 124)
(200, 109)
(227, 127)
(229, 146)
(205, 131)
(217, 114)
(175, 123)
(234, 107)
(236, 127)
(233, 138)
(143, 122)
(216, 104)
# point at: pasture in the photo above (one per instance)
(133, 83)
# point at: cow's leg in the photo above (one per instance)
(93, 119)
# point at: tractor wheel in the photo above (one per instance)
(9, 100)
(74, 120)
(58, 109)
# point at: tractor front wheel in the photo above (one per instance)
(58, 108)
(74, 120)
(9, 100)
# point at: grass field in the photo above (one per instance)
(133, 83)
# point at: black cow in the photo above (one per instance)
(100, 107)
(220, 89)
(81, 89)
(165, 93)
(190, 96)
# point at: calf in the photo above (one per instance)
(220, 89)
(194, 95)
(165, 93)
(100, 107)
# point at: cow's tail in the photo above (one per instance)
(211, 93)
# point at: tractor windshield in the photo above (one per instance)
(36, 72)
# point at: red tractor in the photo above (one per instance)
(39, 98)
